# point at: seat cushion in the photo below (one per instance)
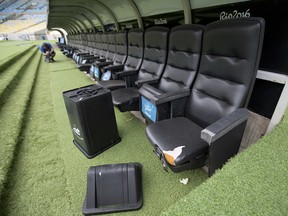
(112, 84)
(113, 188)
(126, 99)
(178, 139)
(124, 95)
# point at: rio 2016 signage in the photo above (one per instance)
(234, 14)
(275, 47)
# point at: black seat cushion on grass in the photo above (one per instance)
(113, 188)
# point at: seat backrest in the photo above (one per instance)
(74, 40)
(93, 38)
(90, 42)
(98, 43)
(184, 52)
(104, 45)
(79, 41)
(84, 41)
(121, 48)
(69, 41)
(135, 49)
(88, 45)
(155, 53)
(230, 58)
(111, 47)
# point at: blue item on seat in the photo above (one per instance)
(149, 109)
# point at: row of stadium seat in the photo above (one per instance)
(15, 25)
(33, 29)
(192, 84)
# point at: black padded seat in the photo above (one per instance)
(98, 68)
(126, 99)
(117, 84)
(93, 50)
(163, 136)
(132, 63)
(87, 47)
(102, 53)
(211, 130)
(113, 188)
(110, 54)
(98, 44)
(83, 47)
(111, 47)
(180, 71)
(155, 57)
(73, 45)
(96, 52)
(90, 42)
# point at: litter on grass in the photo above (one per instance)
(184, 181)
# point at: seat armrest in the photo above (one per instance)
(84, 65)
(86, 56)
(83, 53)
(91, 57)
(221, 127)
(127, 73)
(149, 92)
(114, 67)
(224, 138)
(139, 83)
(171, 96)
(103, 64)
(101, 60)
(156, 97)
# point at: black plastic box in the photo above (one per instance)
(113, 188)
(92, 119)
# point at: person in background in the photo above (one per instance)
(48, 51)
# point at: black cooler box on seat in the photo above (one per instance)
(92, 119)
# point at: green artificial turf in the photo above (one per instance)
(48, 176)
(11, 51)
(13, 110)
(11, 48)
(13, 73)
(36, 184)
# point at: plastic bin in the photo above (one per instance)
(92, 119)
